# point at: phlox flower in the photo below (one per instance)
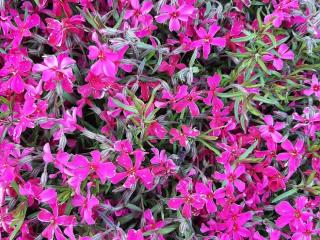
(315, 87)
(283, 53)
(55, 220)
(293, 155)
(187, 100)
(182, 136)
(295, 217)
(231, 176)
(187, 199)
(270, 131)
(86, 205)
(133, 173)
(56, 70)
(170, 66)
(206, 39)
(175, 14)
(138, 12)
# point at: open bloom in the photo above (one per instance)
(55, 221)
(283, 53)
(133, 173)
(295, 217)
(182, 137)
(86, 204)
(176, 15)
(315, 87)
(293, 154)
(271, 129)
(187, 199)
(187, 100)
(207, 39)
(56, 70)
(231, 176)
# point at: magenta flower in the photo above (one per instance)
(187, 100)
(283, 53)
(309, 121)
(295, 217)
(305, 231)
(133, 173)
(231, 176)
(135, 235)
(270, 131)
(314, 89)
(59, 6)
(86, 204)
(151, 223)
(187, 200)
(293, 155)
(162, 164)
(15, 68)
(106, 58)
(182, 137)
(55, 220)
(138, 12)
(207, 39)
(212, 99)
(275, 179)
(176, 15)
(209, 195)
(169, 67)
(235, 220)
(56, 70)
(23, 28)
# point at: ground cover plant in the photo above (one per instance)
(170, 119)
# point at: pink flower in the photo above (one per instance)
(151, 223)
(86, 205)
(106, 58)
(59, 30)
(163, 165)
(314, 89)
(295, 217)
(212, 99)
(176, 15)
(23, 28)
(235, 220)
(187, 199)
(187, 100)
(182, 137)
(231, 176)
(172, 65)
(15, 68)
(135, 235)
(133, 173)
(56, 70)
(305, 231)
(275, 180)
(293, 155)
(208, 194)
(207, 39)
(55, 220)
(79, 169)
(271, 130)
(138, 12)
(283, 53)
(59, 5)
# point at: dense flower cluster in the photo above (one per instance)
(171, 119)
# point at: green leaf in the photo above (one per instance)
(19, 215)
(125, 107)
(216, 151)
(285, 195)
(36, 2)
(248, 151)
(244, 39)
(134, 207)
(168, 229)
(263, 66)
